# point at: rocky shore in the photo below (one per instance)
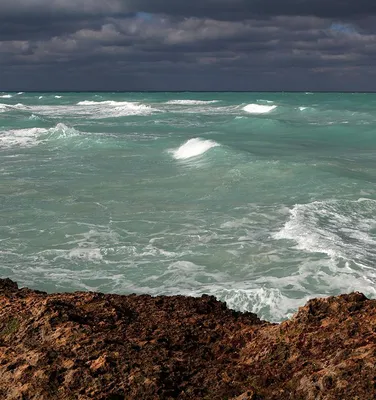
(112, 347)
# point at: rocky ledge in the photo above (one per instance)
(97, 346)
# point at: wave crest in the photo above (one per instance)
(191, 102)
(193, 148)
(110, 108)
(258, 108)
(34, 136)
(338, 228)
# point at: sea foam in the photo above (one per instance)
(258, 108)
(191, 102)
(338, 228)
(34, 136)
(110, 108)
(193, 148)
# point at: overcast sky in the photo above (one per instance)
(188, 45)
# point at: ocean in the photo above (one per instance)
(263, 200)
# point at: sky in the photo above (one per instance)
(208, 45)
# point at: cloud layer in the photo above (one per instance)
(195, 45)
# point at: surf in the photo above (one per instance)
(30, 137)
(259, 108)
(111, 108)
(191, 102)
(337, 228)
(193, 148)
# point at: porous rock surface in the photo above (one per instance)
(111, 347)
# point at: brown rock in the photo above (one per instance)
(96, 346)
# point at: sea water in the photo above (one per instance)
(263, 200)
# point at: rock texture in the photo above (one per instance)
(110, 347)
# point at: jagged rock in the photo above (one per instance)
(96, 346)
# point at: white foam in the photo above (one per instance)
(266, 101)
(6, 96)
(34, 117)
(20, 93)
(57, 97)
(86, 254)
(191, 102)
(40, 97)
(110, 108)
(5, 107)
(34, 136)
(20, 137)
(61, 131)
(338, 228)
(193, 148)
(268, 303)
(258, 108)
(302, 108)
(94, 103)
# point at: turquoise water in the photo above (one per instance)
(261, 199)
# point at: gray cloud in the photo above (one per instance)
(207, 44)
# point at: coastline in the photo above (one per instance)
(91, 345)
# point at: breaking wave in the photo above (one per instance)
(34, 136)
(339, 228)
(258, 108)
(5, 96)
(110, 108)
(11, 106)
(191, 102)
(193, 148)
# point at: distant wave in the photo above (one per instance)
(58, 97)
(193, 148)
(6, 96)
(110, 108)
(258, 108)
(33, 136)
(191, 102)
(11, 106)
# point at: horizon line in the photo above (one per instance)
(187, 91)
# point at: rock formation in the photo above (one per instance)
(112, 347)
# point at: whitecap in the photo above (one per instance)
(110, 108)
(6, 96)
(193, 148)
(62, 131)
(191, 102)
(57, 97)
(258, 108)
(5, 107)
(302, 108)
(338, 228)
(20, 137)
(33, 136)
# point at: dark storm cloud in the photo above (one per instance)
(214, 9)
(240, 9)
(171, 44)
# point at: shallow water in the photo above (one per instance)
(261, 199)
